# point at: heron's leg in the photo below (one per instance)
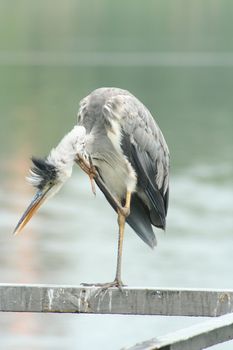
(91, 171)
(113, 200)
(88, 168)
(121, 224)
(123, 212)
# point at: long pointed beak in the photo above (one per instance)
(35, 204)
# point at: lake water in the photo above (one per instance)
(181, 67)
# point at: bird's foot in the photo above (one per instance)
(88, 168)
(116, 283)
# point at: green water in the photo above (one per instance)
(51, 55)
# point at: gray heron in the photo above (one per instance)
(119, 145)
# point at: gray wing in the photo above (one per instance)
(145, 147)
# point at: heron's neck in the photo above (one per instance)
(63, 156)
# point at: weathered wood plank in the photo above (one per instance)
(196, 337)
(134, 301)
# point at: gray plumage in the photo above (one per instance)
(130, 153)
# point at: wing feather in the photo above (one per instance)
(143, 144)
(145, 147)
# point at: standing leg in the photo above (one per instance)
(121, 224)
(123, 212)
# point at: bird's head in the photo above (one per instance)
(49, 175)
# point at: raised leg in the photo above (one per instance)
(88, 168)
(91, 171)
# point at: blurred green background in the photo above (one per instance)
(176, 56)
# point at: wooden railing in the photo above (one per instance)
(133, 301)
